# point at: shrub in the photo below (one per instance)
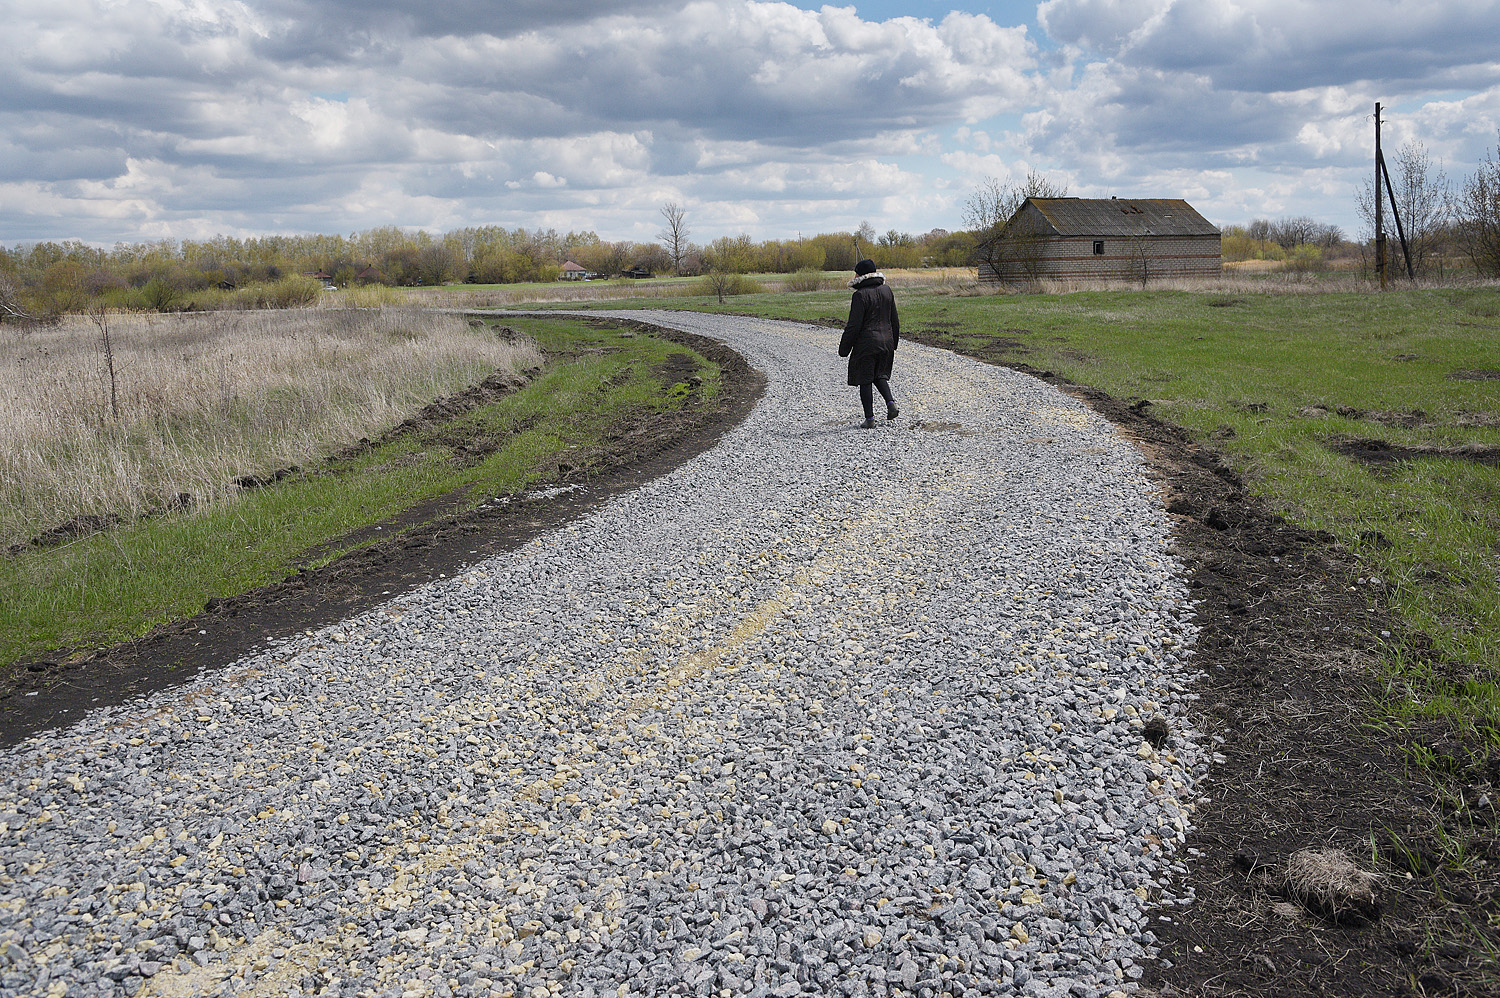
(806, 279)
(160, 295)
(1306, 259)
(288, 292)
(722, 285)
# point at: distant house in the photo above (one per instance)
(637, 272)
(571, 271)
(1102, 239)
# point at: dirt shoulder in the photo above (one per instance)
(1292, 634)
(46, 693)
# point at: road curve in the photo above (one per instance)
(823, 711)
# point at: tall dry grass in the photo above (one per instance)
(458, 296)
(200, 399)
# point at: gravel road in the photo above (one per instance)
(824, 711)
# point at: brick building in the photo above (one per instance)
(1102, 239)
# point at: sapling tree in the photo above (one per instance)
(100, 317)
(1476, 213)
(990, 211)
(1420, 189)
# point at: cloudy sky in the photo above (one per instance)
(148, 119)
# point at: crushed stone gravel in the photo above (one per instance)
(823, 711)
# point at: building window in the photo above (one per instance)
(1098, 247)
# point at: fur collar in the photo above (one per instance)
(860, 281)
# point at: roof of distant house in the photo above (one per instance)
(1121, 217)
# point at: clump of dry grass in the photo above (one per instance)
(368, 296)
(1328, 882)
(197, 400)
(930, 277)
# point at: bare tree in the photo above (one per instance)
(1421, 192)
(438, 264)
(674, 236)
(1291, 232)
(1139, 255)
(991, 211)
(1329, 236)
(1476, 212)
(100, 316)
(993, 202)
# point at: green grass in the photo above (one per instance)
(1238, 369)
(124, 582)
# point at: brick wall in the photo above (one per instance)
(1122, 259)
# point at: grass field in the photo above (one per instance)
(1274, 377)
(183, 404)
(120, 583)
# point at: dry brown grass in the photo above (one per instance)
(460, 297)
(1329, 883)
(204, 398)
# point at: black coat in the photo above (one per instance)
(872, 332)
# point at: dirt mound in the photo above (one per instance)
(1379, 451)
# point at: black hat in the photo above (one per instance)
(864, 267)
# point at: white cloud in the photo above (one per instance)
(127, 117)
(1272, 45)
(1099, 25)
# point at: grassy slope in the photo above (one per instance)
(124, 582)
(1238, 370)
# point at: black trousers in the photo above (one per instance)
(867, 395)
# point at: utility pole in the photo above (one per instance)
(1383, 174)
(1379, 203)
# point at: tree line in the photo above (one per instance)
(49, 278)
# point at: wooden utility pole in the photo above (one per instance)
(1383, 174)
(1379, 206)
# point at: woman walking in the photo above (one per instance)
(870, 339)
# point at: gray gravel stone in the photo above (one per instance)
(821, 711)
